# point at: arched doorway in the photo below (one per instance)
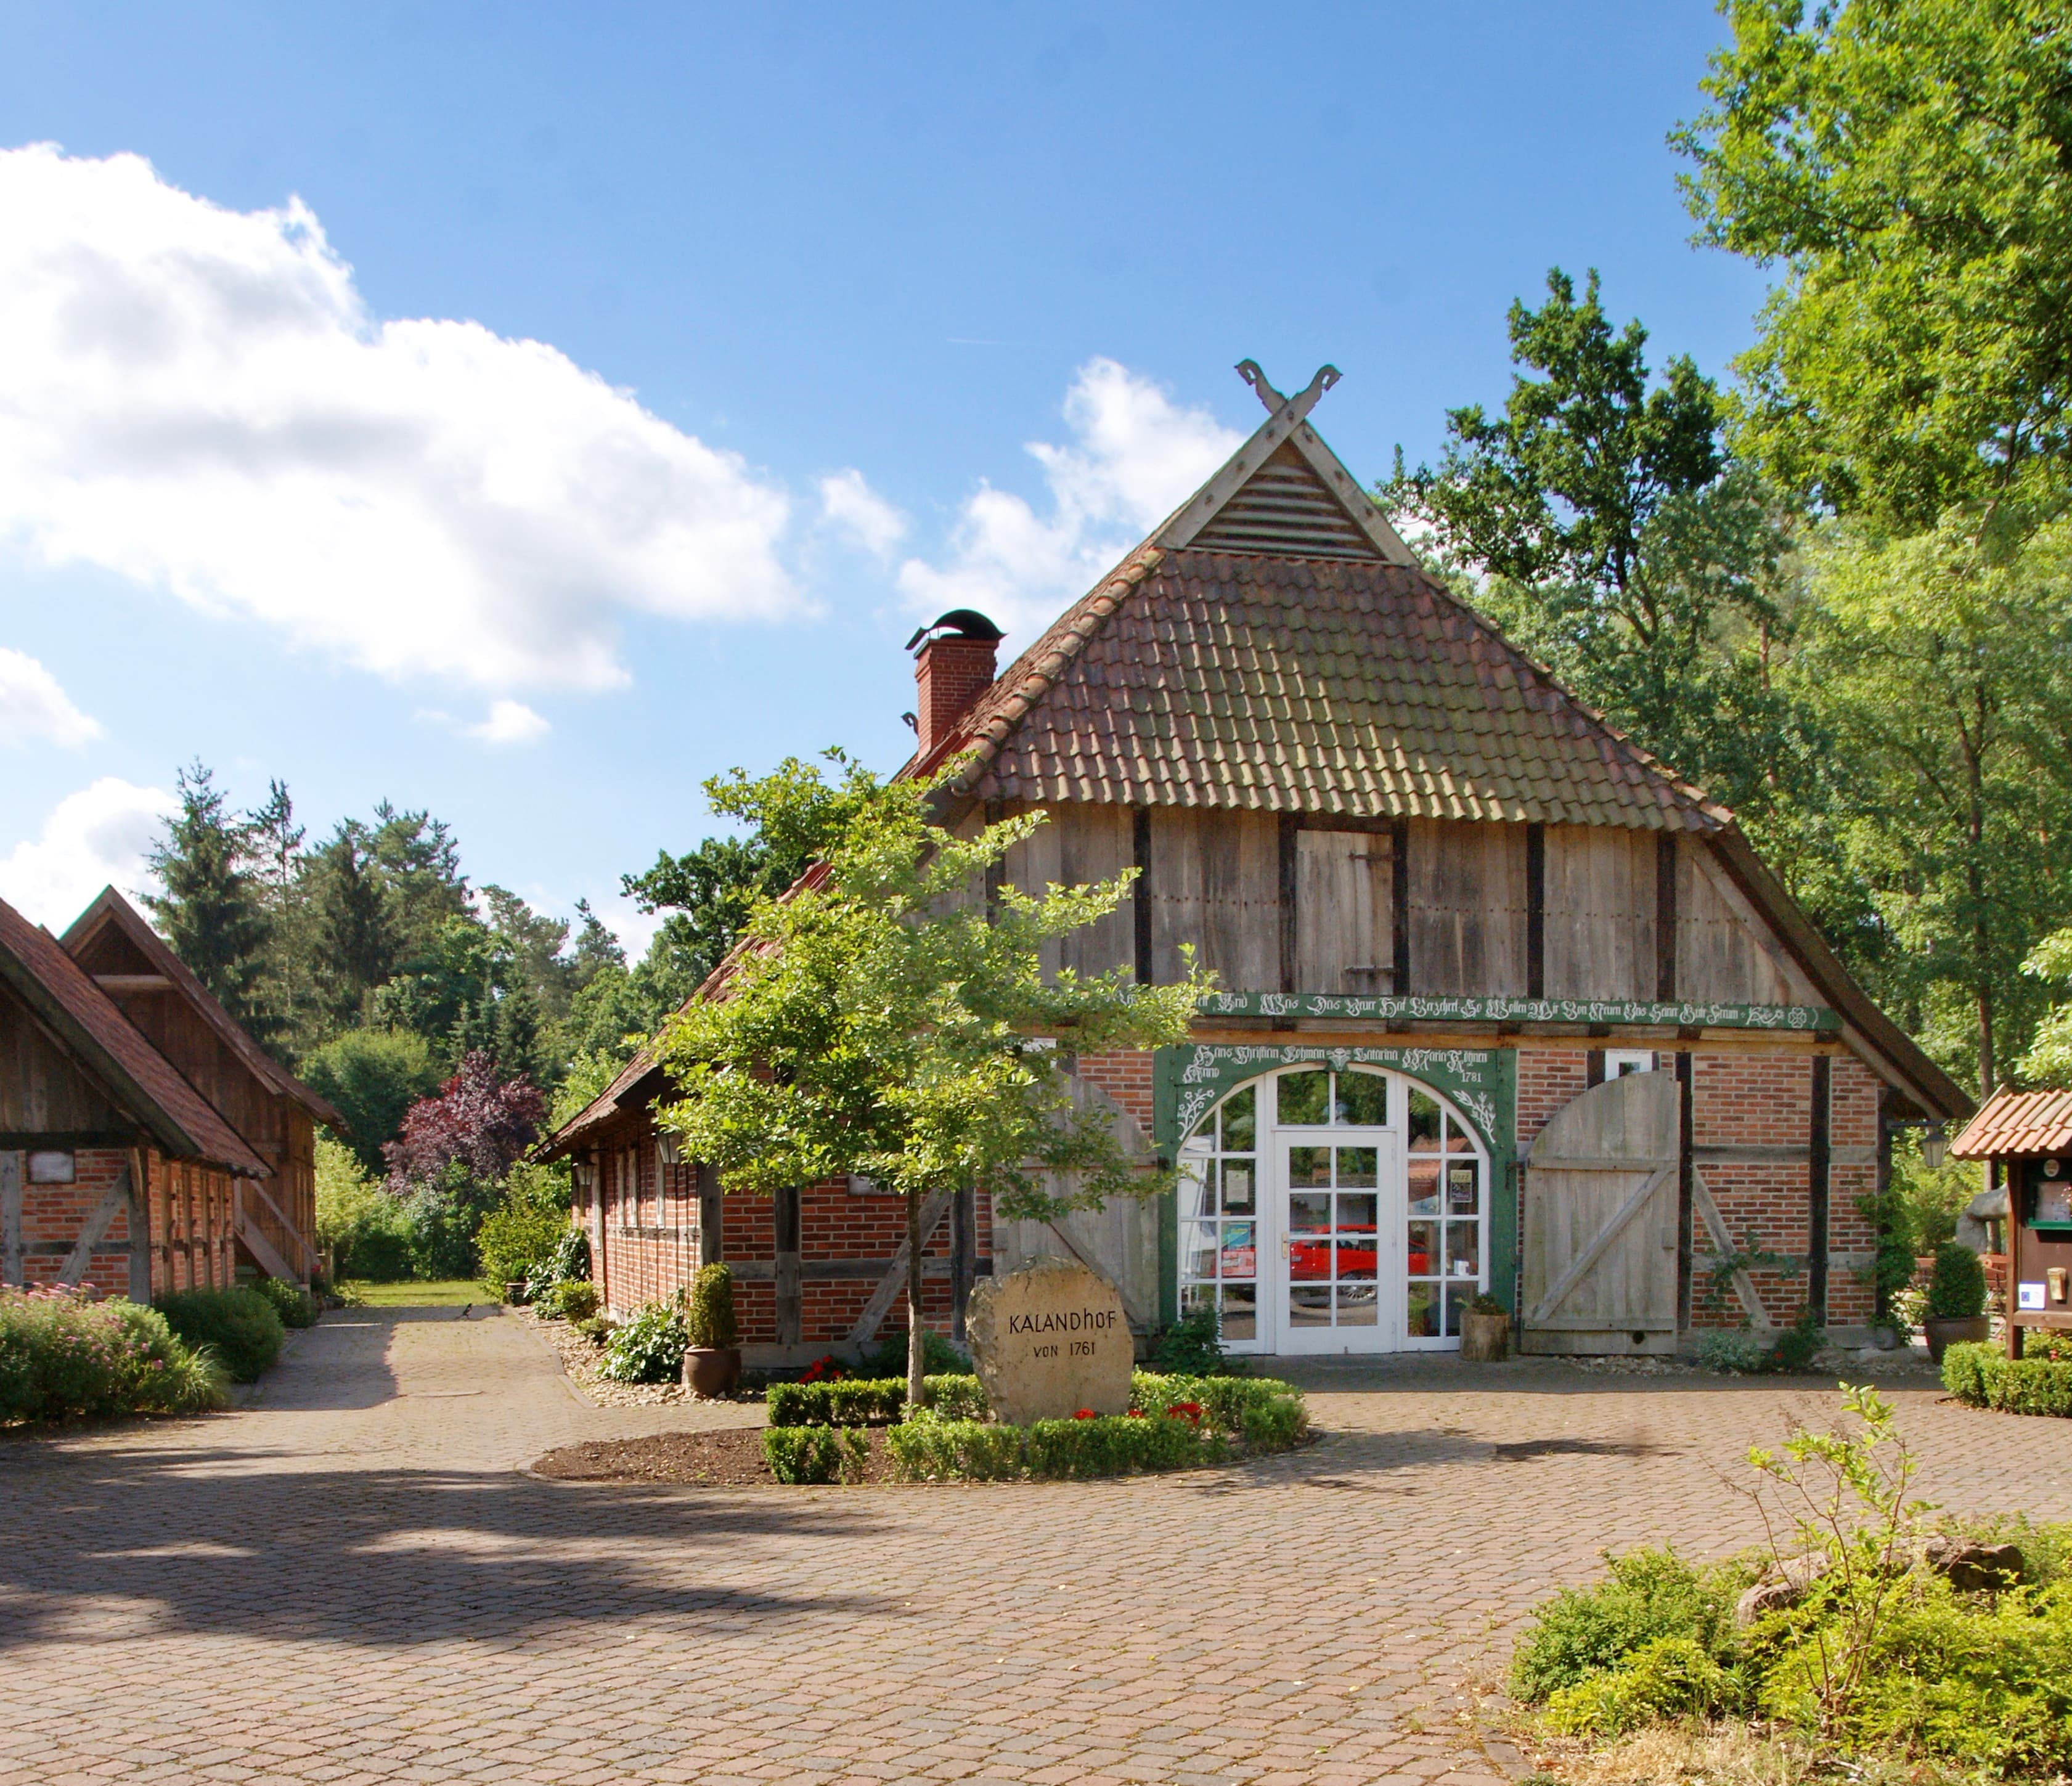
(1334, 1208)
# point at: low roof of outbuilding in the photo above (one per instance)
(2017, 1124)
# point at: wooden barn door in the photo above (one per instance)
(1601, 1221)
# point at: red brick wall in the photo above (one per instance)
(1547, 1078)
(1852, 1236)
(52, 1215)
(1126, 1077)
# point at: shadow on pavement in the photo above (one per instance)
(213, 1541)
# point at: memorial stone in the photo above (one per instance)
(1049, 1340)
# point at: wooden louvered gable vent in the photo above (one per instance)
(1285, 510)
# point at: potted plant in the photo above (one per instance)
(1955, 1310)
(712, 1359)
(1484, 1330)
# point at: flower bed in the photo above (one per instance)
(64, 1355)
(817, 1431)
(1986, 1378)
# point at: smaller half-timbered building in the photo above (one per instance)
(146, 1143)
(1503, 1005)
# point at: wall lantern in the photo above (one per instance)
(586, 1171)
(1934, 1147)
(670, 1145)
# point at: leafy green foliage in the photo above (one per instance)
(940, 1356)
(807, 1454)
(927, 1447)
(372, 1077)
(240, 1327)
(568, 1264)
(1666, 1677)
(366, 1230)
(709, 1322)
(517, 1240)
(1598, 522)
(2048, 1058)
(1647, 1597)
(1193, 1345)
(649, 1348)
(1957, 1291)
(295, 1306)
(571, 1300)
(63, 1358)
(1906, 167)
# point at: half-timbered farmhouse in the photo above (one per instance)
(146, 1143)
(1503, 1006)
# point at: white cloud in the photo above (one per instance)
(850, 505)
(98, 836)
(198, 399)
(509, 722)
(32, 706)
(1136, 455)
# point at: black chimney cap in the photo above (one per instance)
(961, 623)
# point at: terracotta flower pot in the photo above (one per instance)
(1951, 1330)
(712, 1371)
(1485, 1338)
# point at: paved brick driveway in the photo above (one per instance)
(351, 1581)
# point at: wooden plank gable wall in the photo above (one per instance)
(1275, 902)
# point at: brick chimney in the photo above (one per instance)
(953, 668)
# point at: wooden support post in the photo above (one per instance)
(964, 1256)
(10, 1218)
(790, 1296)
(1398, 906)
(94, 1229)
(712, 1231)
(1665, 917)
(1686, 1187)
(1816, 1190)
(1536, 910)
(995, 871)
(1139, 893)
(1290, 831)
(1593, 1069)
(140, 1226)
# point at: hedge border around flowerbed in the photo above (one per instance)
(816, 1430)
(1984, 1377)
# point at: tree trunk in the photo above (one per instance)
(917, 1350)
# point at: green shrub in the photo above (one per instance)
(1953, 1677)
(709, 1317)
(852, 1402)
(1957, 1291)
(62, 1357)
(240, 1325)
(574, 1299)
(648, 1349)
(1746, 1354)
(568, 1264)
(517, 1241)
(1984, 1377)
(1646, 1596)
(1268, 1414)
(927, 1448)
(816, 1454)
(956, 1395)
(363, 1228)
(1667, 1677)
(295, 1306)
(1114, 1445)
(1193, 1347)
(940, 1357)
(596, 1327)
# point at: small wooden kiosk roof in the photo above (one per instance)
(2014, 1124)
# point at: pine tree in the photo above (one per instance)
(212, 910)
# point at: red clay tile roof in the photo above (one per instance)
(2018, 1123)
(110, 908)
(180, 1119)
(1202, 678)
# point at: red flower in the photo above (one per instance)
(1136, 1413)
(1085, 1413)
(1185, 1410)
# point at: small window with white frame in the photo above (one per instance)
(1620, 1062)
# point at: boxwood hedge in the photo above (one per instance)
(1986, 1378)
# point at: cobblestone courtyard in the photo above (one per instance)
(352, 1581)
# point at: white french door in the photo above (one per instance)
(1340, 1201)
(1333, 1210)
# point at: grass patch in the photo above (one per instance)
(435, 1293)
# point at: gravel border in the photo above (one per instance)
(581, 1357)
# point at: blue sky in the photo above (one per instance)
(524, 412)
